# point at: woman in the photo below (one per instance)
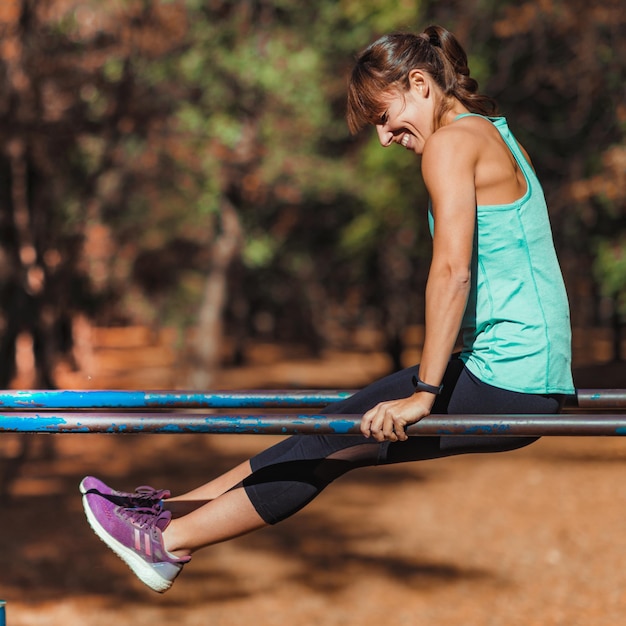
(494, 276)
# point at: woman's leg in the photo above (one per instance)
(191, 500)
(226, 517)
(394, 386)
(282, 479)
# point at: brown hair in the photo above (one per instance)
(387, 62)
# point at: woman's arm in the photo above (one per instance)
(448, 167)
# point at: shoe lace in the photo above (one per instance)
(145, 492)
(142, 516)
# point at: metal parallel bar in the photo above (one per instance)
(102, 399)
(179, 423)
(112, 399)
(600, 398)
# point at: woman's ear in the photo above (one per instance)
(419, 81)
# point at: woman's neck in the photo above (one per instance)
(453, 112)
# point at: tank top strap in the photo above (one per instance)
(460, 115)
(509, 139)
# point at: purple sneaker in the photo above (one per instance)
(144, 496)
(135, 535)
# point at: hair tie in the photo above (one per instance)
(433, 40)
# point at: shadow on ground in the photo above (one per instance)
(50, 551)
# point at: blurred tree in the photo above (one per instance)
(142, 139)
(74, 125)
(263, 118)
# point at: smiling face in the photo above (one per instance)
(408, 119)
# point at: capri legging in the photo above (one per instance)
(290, 474)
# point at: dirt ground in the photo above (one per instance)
(535, 537)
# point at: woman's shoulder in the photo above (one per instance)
(470, 127)
(457, 141)
(487, 133)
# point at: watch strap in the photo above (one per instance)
(420, 385)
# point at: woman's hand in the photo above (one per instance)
(387, 420)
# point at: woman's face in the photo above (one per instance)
(408, 117)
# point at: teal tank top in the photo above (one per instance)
(516, 328)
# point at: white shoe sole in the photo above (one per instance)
(140, 568)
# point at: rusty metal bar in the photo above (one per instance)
(283, 424)
(601, 398)
(595, 399)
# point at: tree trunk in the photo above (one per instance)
(616, 323)
(395, 277)
(206, 348)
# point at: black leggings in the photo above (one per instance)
(288, 475)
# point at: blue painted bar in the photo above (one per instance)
(602, 424)
(3, 616)
(112, 399)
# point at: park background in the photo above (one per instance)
(182, 206)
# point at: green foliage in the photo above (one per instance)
(259, 251)
(609, 269)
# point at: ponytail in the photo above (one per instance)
(454, 78)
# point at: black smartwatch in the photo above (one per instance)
(420, 385)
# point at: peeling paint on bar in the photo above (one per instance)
(286, 424)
